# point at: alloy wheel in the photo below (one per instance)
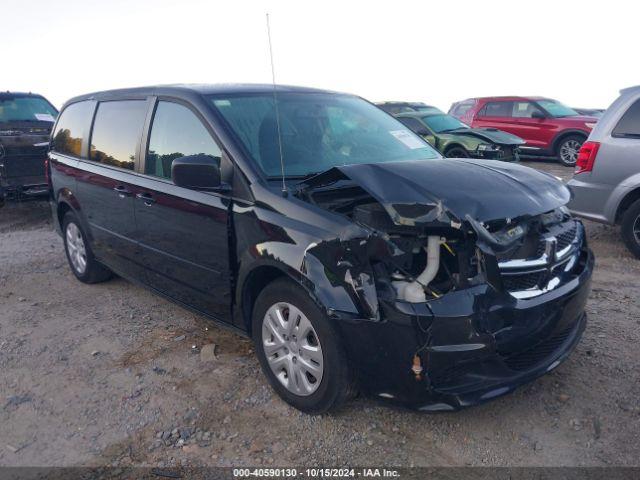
(76, 248)
(636, 230)
(569, 151)
(292, 349)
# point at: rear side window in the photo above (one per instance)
(629, 124)
(496, 109)
(71, 128)
(116, 132)
(176, 132)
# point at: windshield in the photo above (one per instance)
(556, 109)
(318, 131)
(443, 123)
(26, 109)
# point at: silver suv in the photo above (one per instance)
(606, 183)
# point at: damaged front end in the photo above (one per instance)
(457, 306)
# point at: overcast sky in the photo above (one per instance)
(579, 52)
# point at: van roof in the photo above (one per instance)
(203, 89)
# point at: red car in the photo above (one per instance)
(547, 126)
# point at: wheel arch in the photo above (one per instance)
(453, 146)
(254, 282)
(564, 134)
(628, 200)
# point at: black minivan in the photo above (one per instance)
(355, 256)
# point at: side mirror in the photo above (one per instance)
(196, 172)
(538, 114)
(422, 131)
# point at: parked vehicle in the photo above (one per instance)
(354, 255)
(590, 112)
(547, 126)
(455, 139)
(25, 126)
(400, 107)
(606, 183)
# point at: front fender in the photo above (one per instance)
(323, 263)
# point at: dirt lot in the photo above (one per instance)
(103, 374)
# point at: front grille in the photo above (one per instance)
(565, 238)
(528, 268)
(542, 351)
(523, 281)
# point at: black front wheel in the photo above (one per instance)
(568, 149)
(299, 349)
(457, 152)
(631, 228)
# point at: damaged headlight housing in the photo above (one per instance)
(490, 147)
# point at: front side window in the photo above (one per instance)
(116, 132)
(177, 132)
(629, 124)
(318, 131)
(73, 123)
(497, 109)
(525, 109)
(557, 109)
(414, 124)
(443, 123)
(26, 108)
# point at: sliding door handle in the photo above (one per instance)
(147, 198)
(122, 191)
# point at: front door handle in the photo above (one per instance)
(122, 191)
(147, 198)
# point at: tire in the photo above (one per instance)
(457, 152)
(315, 379)
(567, 149)
(79, 255)
(631, 228)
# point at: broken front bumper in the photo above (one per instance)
(474, 344)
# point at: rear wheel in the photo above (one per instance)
(299, 350)
(456, 152)
(81, 260)
(631, 228)
(568, 149)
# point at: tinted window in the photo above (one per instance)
(497, 109)
(414, 124)
(73, 123)
(116, 132)
(26, 108)
(525, 109)
(629, 124)
(176, 132)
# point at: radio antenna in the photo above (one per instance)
(275, 102)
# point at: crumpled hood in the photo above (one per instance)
(423, 191)
(491, 135)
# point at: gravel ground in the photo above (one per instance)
(112, 375)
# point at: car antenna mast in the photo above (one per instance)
(275, 102)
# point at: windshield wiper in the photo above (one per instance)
(293, 177)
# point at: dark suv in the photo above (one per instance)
(354, 255)
(25, 126)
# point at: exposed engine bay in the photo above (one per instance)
(422, 251)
